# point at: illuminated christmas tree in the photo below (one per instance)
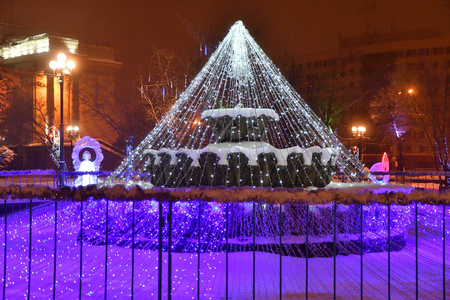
(240, 123)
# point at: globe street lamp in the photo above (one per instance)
(359, 131)
(72, 133)
(61, 68)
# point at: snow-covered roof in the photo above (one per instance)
(240, 111)
(251, 150)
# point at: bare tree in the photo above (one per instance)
(323, 91)
(124, 118)
(162, 80)
(428, 102)
(9, 83)
(389, 112)
(23, 119)
(159, 82)
(416, 100)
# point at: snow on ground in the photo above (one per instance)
(361, 188)
(212, 266)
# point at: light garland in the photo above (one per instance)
(201, 227)
(400, 195)
(239, 76)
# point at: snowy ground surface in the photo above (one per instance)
(360, 188)
(212, 266)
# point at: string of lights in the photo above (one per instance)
(237, 78)
(200, 228)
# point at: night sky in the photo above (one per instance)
(134, 27)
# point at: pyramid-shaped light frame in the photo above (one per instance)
(240, 81)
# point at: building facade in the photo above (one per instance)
(351, 76)
(91, 81)
(93, 78)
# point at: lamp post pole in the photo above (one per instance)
(61, 68)
(62, 162)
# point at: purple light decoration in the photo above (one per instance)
(398, 132)
(212, 239)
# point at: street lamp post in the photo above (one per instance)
(61, 68)
(359, 131)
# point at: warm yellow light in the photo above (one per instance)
(76, 128)
(69, 128)
(354, 129)
(53, 65)
(71, 65)
(410, 91)
(61, 57)
(61, 64)
(362, 129)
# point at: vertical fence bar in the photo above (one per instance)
(307, 252)
(54, 249)
(81, 249)
(226, 251)
(281, 253)
(198, 250)
(254, 252)
(160, 241)
(334, 249)
(29, 248)
(106, 248)
(133, 229)
(169, 284)
(361, 252)
(417, 251)
(4, 249)
(389, 250)
(443, 251)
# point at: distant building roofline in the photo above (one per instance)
(53, 42)
(36, 44)
(393, 36)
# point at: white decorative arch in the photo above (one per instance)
(87, 156)
(87, 144)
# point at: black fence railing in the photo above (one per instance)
(153, 250)
(196, 249)
(28, 177)
(420, 180)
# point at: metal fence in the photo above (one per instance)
(207, 250)
(419, 180)
(28, 177)
(99, 249)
